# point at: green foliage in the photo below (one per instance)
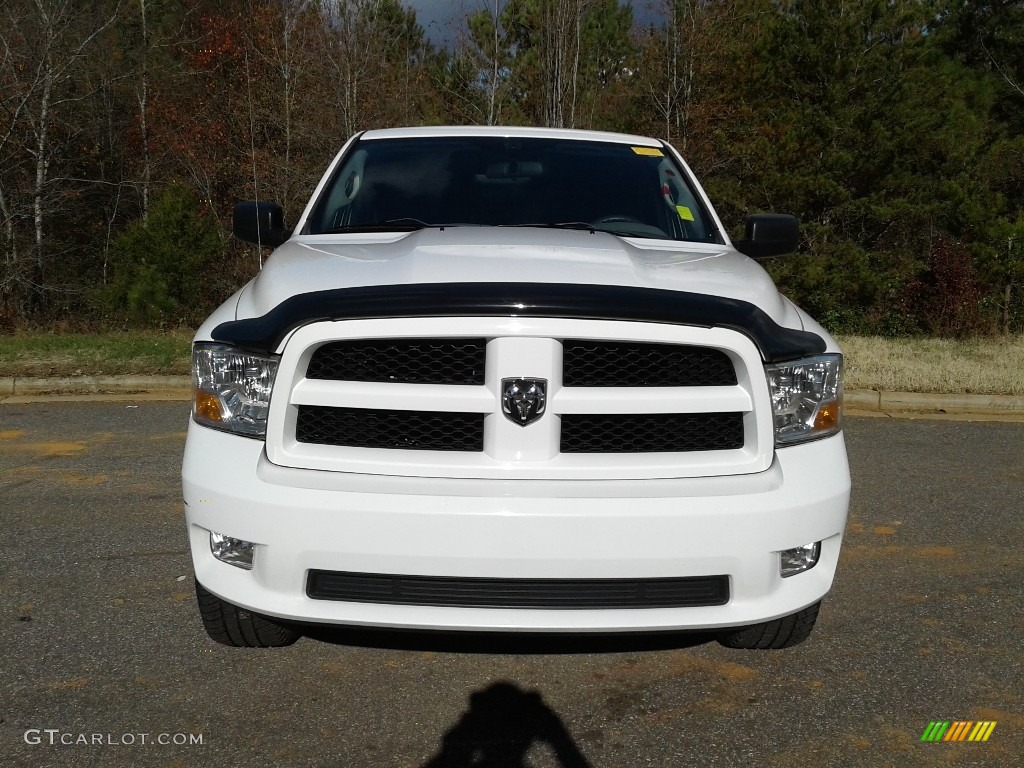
(894, 154)
(61, 353)
(566, 57)
(164, 268)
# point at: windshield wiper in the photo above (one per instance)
(592, 228)
(583, 225)
(391, 225)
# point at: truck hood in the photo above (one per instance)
(502, 255)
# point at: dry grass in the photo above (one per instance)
(981, 366)
(91, 354)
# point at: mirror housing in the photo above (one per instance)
(260, 223)
(769, 234)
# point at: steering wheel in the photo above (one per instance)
(618, 218)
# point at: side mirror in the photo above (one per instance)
(769, 234)
(260, 223)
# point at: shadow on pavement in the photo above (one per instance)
(504, 643)
(501, 726)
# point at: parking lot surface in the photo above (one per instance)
(104, 661)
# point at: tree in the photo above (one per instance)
(854, 121)
(567, 55)
(986, 38)
(162, 264)
(490, 54)
(688, 75)
(44, 44)
(373, 48)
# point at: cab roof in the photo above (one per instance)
(436, 131)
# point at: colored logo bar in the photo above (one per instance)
(958, 730)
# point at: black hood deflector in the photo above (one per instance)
(562, 300)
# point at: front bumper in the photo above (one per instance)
(581, 529)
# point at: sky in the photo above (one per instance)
(442, 20)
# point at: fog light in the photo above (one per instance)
(799, 559)
(232, 551)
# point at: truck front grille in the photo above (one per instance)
(372, 428)
(635, 364)
(685, 592)
(651, 432)
(404, 361)
(520, 398)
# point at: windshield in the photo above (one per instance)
(412, 183)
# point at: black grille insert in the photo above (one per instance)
(684, 592)
(651, 432)
(635, 364)
(409, 430)
(404, 361)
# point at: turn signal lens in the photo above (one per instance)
(828, 417)
(206, 407)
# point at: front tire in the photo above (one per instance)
(230, 625)
(781, 633)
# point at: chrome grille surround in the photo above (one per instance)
(526, 348)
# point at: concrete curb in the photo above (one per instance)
(885, 402)
(108, 388)
(77, 385)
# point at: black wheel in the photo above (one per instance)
(781, 633)
(230, 625)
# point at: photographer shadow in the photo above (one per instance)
(501, 726)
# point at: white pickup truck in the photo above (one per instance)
(513, 380)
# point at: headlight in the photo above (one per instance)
(231, 388)
(807, 398)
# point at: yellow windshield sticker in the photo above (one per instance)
(649, 151)
(684, 213)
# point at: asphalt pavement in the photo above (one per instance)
(103, 656)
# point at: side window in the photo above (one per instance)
(336, 211)
(682, 204)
